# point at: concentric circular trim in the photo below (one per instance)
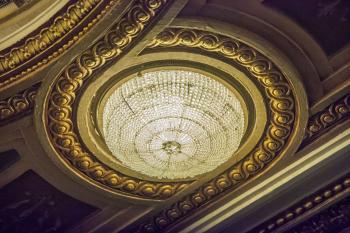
(97, 90)
(172, 124)
(278, 92)
(282, 108)
(60, 106)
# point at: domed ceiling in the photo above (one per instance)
(171, 116)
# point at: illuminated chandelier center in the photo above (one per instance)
(172, 124)
(171, 147)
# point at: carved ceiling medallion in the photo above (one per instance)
(98, 91)
(172, 124)
(69, 116)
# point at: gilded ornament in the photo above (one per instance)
(304, 207)
(63, 96)
(40, 46)
(333, 219)
(327, 118)
(18, 105)
(279, 96)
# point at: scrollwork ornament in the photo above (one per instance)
(325, 119)
(60, 106)
(280, 99)
(18, 105)
(65, 29)
(305, 207)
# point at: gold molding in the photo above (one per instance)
(281, 106)
(69, 85)
(60, 105)
(93, 98)
(18, 105)
(66, 140)
(324, 120)
(318, 124)
(17, 63)
(304, 207)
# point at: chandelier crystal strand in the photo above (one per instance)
(173, 124)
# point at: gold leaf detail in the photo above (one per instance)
(39, 45)
(278, 93)
(18, 105)
(69, 83)
(325, 119)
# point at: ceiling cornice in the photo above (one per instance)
(51, 40)
(298, 215)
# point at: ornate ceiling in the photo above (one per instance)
(227, 116)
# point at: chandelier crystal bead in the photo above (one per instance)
(173, 124)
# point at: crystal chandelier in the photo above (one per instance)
(172, 124)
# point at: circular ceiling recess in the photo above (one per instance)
(195, 110)
(172, 124)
